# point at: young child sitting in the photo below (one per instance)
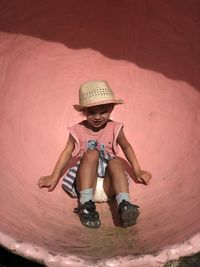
(99, 173)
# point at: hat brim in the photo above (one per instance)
(116, 102)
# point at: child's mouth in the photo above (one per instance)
(97, 123)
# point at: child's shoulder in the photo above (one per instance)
(114, 127)
(75, 126)
(115, 123)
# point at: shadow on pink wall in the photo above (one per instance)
(159, 36)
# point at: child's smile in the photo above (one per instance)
(98, 116)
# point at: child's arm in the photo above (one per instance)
(52, 180)
(142, 176)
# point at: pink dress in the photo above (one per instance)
(105, 141)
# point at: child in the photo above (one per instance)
(99, 174)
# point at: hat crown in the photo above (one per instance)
(94, 91)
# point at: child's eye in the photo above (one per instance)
(91, 113)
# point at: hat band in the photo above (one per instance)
(89, 101)
(97, 103)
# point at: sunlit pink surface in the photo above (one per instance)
(149, 53)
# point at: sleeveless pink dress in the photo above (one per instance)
(105, 141)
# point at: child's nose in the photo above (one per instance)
(97, 116)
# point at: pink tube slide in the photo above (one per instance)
(149, 52)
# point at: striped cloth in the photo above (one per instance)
(70, 177)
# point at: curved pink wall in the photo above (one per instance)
(149, 52)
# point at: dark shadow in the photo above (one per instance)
(162, 36)
(114, 212)
(7, 259)
(189, 261)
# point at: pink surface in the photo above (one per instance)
(149, 52)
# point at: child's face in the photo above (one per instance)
(98, 116)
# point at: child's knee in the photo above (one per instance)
(117, 171)
(91, 156)
(115, 164)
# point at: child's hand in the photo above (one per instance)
(143, 177)
(48, 181)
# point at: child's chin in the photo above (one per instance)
(97, 126)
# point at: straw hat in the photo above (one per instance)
(94, 93)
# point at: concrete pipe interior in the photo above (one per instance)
(149, 52)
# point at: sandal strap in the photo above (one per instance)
(88, 215)
(89, 206)
(125, 203)
(128, 213)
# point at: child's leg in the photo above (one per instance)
(87, 174)
(116, 184)
(85, 184)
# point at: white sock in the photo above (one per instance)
(122, 196)
(86, 195)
